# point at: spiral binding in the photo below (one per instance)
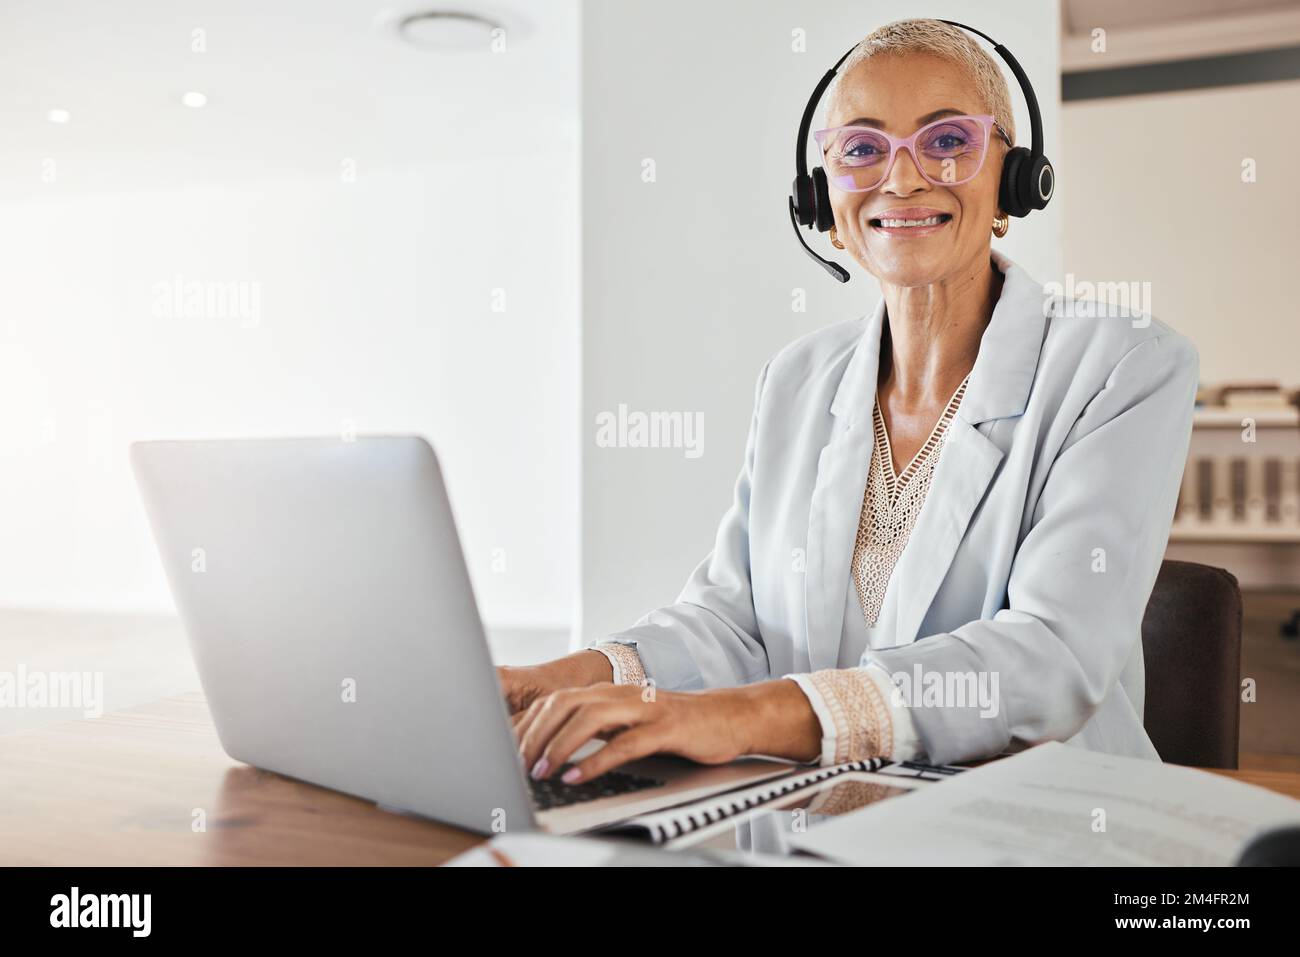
(692, 820)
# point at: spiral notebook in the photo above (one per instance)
(877, 778)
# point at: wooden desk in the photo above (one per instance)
(122, 790)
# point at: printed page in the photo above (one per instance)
(1056, 804)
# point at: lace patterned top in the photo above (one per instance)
(891, 505)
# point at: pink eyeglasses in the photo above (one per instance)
(948, 152)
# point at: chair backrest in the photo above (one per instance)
(1191, 641)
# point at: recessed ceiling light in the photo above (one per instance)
(59, 116)
(448, 30)
(194, 100)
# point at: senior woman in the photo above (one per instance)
(950, 514)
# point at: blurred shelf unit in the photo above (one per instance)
(1239, 505)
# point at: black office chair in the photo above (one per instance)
(1191, 639)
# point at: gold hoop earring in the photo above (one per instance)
(835, 240)
(1001, 223)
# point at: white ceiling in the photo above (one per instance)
(1154, 31)
(294, 87)
(1080, 16)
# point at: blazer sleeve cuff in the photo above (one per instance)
(948, 731)
(859, 715)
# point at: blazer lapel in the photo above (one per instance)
(967, 463)
(837, 497)
(999, 388)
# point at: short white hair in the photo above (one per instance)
(941, 40)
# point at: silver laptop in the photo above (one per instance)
(329, 611)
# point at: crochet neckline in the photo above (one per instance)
(896, 480)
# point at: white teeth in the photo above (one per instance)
(898, 223)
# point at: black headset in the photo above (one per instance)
(1028, 180)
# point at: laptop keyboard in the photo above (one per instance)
(553, 792)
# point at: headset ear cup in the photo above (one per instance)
(1040, 182)
(1010, 193)
(822, 200)
(804, 201)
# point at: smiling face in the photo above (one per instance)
(900, 94)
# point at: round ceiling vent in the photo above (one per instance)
(448, 31)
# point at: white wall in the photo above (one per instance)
(688, 281)
(1157, 196)
(375, 306)
(376, 295)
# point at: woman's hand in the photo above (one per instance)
(522, 686)
(711, 727)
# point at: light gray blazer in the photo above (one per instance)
(1033, 556)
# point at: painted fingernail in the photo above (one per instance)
(540, 769)
(572, 776)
